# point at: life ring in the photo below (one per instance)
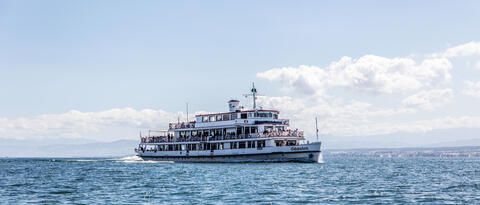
(245, 121)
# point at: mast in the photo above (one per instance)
(316, 127)
(187, 112)
(254, 94)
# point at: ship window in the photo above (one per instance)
(251, 144)
(279, 143)
(212, 118)
(233, 116)
(261, 143)
(219, 118)
(226, 117)
(243, 116)
(205, 118)
(291, 143)
(250, 114)
(253, 130)
(275, 116)
(241, 145)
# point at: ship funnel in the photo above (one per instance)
(233, 105)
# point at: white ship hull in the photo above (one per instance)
(301, 153)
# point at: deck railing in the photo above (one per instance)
(162, 139)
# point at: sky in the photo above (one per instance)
(371, 71)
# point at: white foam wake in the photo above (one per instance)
(137, 159)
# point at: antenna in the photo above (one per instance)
(187, 112)
(316, 127)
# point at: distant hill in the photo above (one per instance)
(98, 149)
(66, 148)
(436, 138)
(463, 151)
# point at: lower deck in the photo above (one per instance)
(302, 152)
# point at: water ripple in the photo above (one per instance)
(342, 180)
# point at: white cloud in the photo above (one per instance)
(472, 89)
(467, 49)
(477, 65)
(75, 124)
(429, 99)
(367, 73)
(374, 73)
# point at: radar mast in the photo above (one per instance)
(254, 96)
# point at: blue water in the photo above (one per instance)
(341, 180)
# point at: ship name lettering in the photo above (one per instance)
(299, 148)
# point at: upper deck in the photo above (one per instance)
(231, 119)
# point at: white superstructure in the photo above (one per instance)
(239, 135)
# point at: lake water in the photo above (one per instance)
(341, 180)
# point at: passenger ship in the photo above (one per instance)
(239, 135)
